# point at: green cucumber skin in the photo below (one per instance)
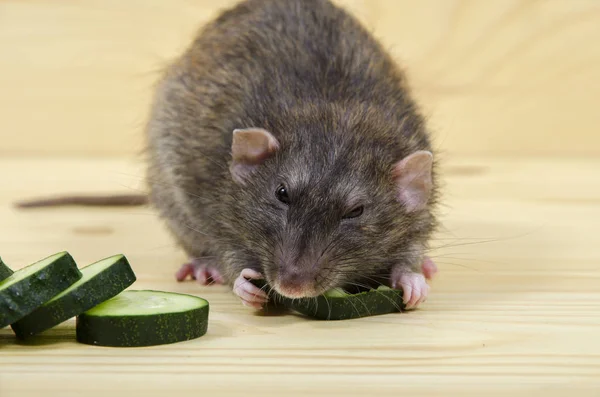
(23, 297)
(364, 304)
(140, 331)
(96, 290)
(5, 271)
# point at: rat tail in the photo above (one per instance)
(112, 200)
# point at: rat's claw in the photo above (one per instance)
(415, 289)
(250, 294)
(407, 292)
(187, 269)
(215, 276)
(203, 271)
(200, 275)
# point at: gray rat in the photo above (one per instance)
(284, 144)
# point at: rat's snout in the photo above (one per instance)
(296, 277)
(295, 283)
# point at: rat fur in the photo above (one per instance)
(340, 115)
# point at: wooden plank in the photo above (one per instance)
(494, 77)
(514, 311)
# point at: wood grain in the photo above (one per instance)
(494, 77)
(514, 311)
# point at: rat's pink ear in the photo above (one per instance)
(249, 149)
(413, 180)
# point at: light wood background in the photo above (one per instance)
(515, 310)
(512, 88)
(518, 77)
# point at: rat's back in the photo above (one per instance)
(262, 59)
(296, 50)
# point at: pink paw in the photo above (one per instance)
(250, 294)
(414, 287)
(201, 270)
(428, 268)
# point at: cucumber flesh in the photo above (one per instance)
(144, 318)
(101, 281)
(5, 271)
(335, 293)
(337, 304)
(32, 286)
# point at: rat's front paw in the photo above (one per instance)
(250, 294)
(202, 270)
(414, 287)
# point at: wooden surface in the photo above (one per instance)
(495, 77)
(514, 311)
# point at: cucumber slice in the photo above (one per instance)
(339, 305)
(382, 300)
(32, 286)
(144, 318)
(101, 281)
(5, 271)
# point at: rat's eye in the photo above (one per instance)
(282, 194)
(355, 212)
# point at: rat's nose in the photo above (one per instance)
(296, 274)
(295, 282)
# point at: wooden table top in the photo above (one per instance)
(515, 308)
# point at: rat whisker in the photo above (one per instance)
(328, 305)
(192, 258)
(361, 302)
(198, 231)
(398, 307)
(333, 240)
(460, 265)
(352, 303)
(482, 241)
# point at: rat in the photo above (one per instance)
(284, 144)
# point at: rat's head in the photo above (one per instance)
(329, 212)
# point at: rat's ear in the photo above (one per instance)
(249, 149)
(413, 177)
